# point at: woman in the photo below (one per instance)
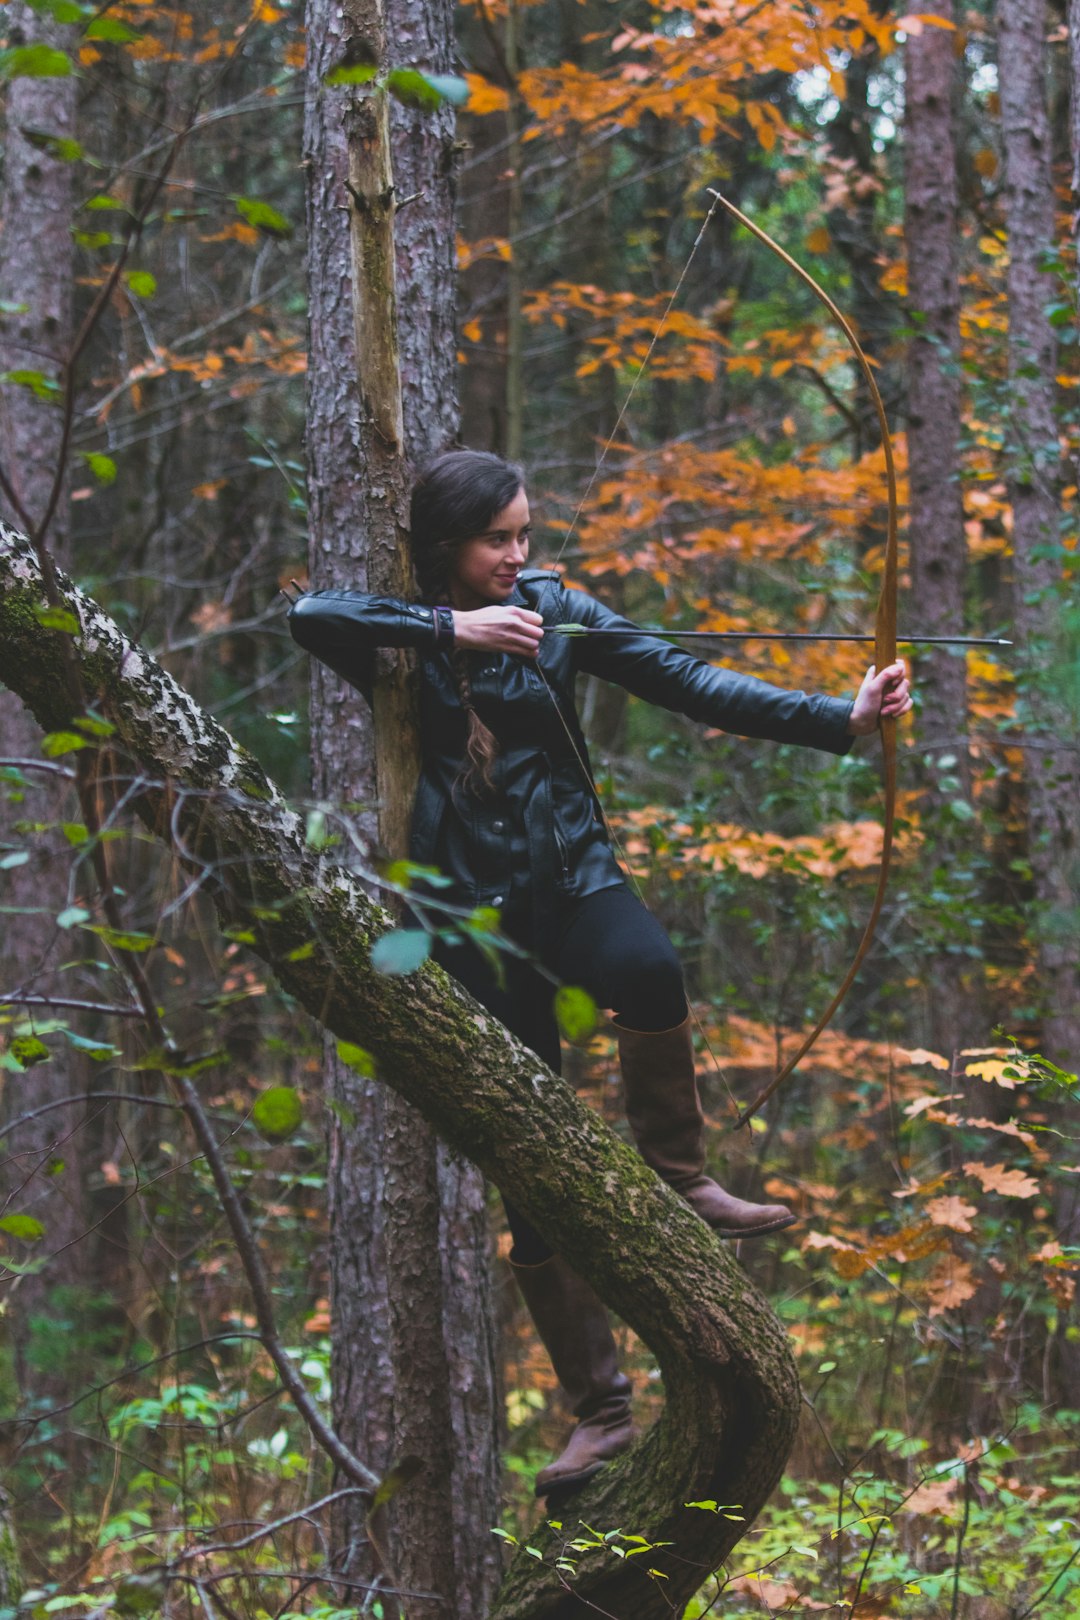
(506, 808)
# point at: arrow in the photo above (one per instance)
(771, 635)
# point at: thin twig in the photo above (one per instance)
(270, 1529)
(19, 998)
(87, 1097)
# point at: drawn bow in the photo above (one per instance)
(884, 653)
(885, 625)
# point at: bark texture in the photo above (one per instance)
(36, 283)
(936, 502)
(1074, 115)
(409, 1218)
(1053, 786)
(343, 771)
(1053, 783)
(955, 1015)
(732, 1390)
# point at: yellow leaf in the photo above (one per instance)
(993, 1070)
(819, 240)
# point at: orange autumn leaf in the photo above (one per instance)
(768, 1595)
(238, 231)
(485, 247)
(920, 1104)
(951, 1283)
(910, 1243)
(825, 1240)
(1006, 1127)
(1000, 1179)
(919, 1054)
(951, 1212)
(934, 1496)
(1057, 1268)
(915, 21)
(485, 97)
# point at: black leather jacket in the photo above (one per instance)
(538, 839)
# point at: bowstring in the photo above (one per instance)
(567, 537)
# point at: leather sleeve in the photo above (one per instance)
(343, 629)
(741, 704)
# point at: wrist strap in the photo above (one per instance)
(443, 623)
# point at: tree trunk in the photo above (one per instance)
(1053, 783)
(1074, 138)
(425, 1264)
(36, 282)
(343, 769)
(955, 1014)
(1044, 708)
(425, 155)
(732, 1391)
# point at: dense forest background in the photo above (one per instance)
(703, 453)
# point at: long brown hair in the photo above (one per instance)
(454, 499)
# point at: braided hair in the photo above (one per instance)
(454, 498)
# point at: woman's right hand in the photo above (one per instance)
(499, 629)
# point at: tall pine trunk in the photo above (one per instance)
(410, 1271)
(36, 282)
(1053, 781)
(1046, 713)
(954, 1015)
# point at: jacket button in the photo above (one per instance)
(499, 826)
(497, 900)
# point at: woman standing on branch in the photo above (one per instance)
(506, 808)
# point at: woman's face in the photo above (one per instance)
(483, 569)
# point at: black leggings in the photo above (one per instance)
(609, 945)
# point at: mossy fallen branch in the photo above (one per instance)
(732, 1391)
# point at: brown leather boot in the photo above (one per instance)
(664, 1111)
(573, 1323)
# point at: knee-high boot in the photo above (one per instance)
(665, 1115)
(573, 1324)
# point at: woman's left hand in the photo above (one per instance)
(885, 696)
